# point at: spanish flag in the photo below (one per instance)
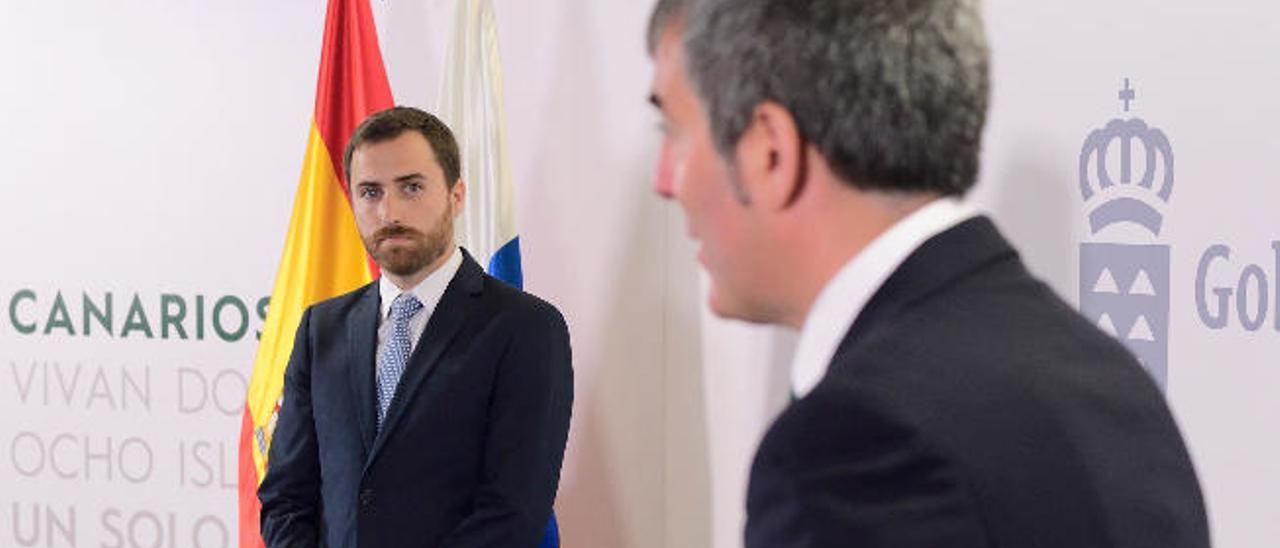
(323, 256)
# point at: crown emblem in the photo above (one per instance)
(1126, 172)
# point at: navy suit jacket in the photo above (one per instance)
(968, 406)
(471, 450)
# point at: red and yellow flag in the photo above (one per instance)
(323, 256)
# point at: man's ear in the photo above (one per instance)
(458, 195)
(770, 157)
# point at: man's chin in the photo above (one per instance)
(401, 263)
(730, 308)
(724, 307)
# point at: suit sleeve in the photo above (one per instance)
(528, 427)
(290, 493)
(842, 472)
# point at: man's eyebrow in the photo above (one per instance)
(410, 177)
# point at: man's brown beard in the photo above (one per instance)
(408, 259)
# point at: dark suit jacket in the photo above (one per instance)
(470, 454)
(967, 407)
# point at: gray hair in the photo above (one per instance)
(893, 93)
(665, 13)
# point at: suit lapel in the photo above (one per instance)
(362, 344)
(450, 316)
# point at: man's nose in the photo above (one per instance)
(390, 209)
(662, 186)
(663, 180)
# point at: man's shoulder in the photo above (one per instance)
(956, 364)
(966, 297)
(952, 366)
(1007, 382)
(1003, 329)
(520, 303)
(339, 306)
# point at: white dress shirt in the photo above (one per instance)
(428, 292)
(842, 299)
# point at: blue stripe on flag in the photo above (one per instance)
(551, 537)
(505, 264)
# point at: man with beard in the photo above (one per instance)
(430, 407)
(944, 397)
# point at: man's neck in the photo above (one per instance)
(844, 234)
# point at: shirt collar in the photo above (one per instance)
(843, 298)
(428, 292)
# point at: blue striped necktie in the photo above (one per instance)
(395, 355)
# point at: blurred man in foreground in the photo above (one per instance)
(944, 397)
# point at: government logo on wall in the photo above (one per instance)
(1126, 178)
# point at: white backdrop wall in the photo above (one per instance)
(151, 150)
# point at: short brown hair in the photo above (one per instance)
(391, 123)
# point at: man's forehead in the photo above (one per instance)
(668, 67)
(394, 160)
(408, 145)
(670, 42)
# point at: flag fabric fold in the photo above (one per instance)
(323, 256)
(471, 103)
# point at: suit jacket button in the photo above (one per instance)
(366, 498)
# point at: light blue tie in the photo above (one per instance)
(395, 355)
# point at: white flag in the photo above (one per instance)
(471, 103)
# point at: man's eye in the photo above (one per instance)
(368, 192)
(413, 188)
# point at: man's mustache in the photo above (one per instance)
(394, 231)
